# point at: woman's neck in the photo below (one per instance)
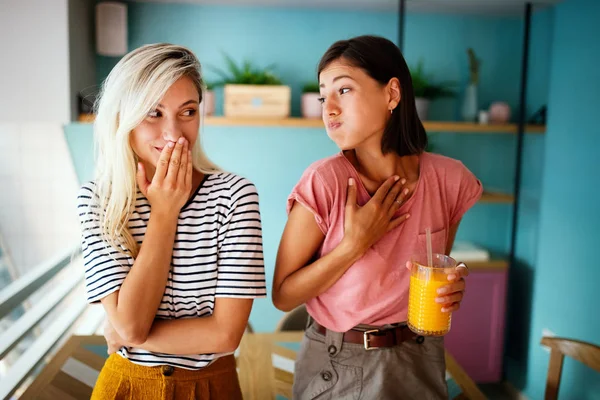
(374, 167)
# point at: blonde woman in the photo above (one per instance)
(172, 246)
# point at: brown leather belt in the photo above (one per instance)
(376, 338)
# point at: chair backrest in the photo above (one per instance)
(586, 353)
(294, 320)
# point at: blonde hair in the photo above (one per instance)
(133, 88)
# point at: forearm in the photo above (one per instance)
(315, 278)
(140, 294)
(190, 336)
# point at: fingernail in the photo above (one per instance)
(181, 140)
(405, 191)
(407, 216)
(451, 277)
(403, 181)
(189, 152)
(440, 300)
(396, 178)
(171, 144)
(442, 290)
(351, 181)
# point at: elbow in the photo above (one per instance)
(280, 302)
(231, 342)
(133, 334)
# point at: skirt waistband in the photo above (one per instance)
(124, 366)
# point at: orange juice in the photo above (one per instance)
(425, 316)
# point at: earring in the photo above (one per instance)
(391, 111)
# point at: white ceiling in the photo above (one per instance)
(489, 7)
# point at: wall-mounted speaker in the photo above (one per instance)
(111, 28)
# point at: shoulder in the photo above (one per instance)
(330, 170)
(449, 168)
(87, 194)
(230, 185)
(438, 161)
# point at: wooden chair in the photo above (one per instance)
(294, 320)
(586, 353)
(72, 371)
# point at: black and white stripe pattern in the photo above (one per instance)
(217, 253)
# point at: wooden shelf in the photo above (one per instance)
(491, 265)
(86, 118)
(296, 122)
(491, 197)
(471, 127)
(293, 122)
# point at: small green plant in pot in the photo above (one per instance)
(427, 91)
(251, 91)
(310, 105)
(208, 99)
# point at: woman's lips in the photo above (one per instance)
(334, 125)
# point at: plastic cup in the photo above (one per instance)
(425, 316)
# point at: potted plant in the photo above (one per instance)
(426, 91)
(250, 91)
(470, 106)
(311, 108)
(208, 99)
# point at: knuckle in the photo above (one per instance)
(164, 161)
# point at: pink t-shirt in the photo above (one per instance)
(374, 290)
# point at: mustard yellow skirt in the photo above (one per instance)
(122, 379)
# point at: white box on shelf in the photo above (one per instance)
(467, 251)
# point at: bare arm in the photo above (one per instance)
(296, 278)
(218, 333)
(132, 309)
(451, 236)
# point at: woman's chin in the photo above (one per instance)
(343, 144)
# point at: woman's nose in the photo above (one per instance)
(171, 130)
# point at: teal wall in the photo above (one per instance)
(263, 35)
(565, 284)
(274, 158)
(522, 272)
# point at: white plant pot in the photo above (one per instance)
(470, 107)
(422, 108)
(209, 102)
(311, 108)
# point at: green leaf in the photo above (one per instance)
(246, 73)
(423, 85)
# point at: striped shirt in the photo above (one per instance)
(217, 253)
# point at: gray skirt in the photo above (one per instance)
(328, 368)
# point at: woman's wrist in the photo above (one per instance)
(350, 250)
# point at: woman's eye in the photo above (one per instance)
(321, 100)
(190, 112)
(344, 90)
(154, 114)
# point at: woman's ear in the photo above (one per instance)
(394, 93)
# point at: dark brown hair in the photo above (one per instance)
(382, 60)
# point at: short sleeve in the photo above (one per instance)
(105, 267)
(313, 194)
(241, 267)
(468, 191)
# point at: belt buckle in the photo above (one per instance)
(366, 340)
